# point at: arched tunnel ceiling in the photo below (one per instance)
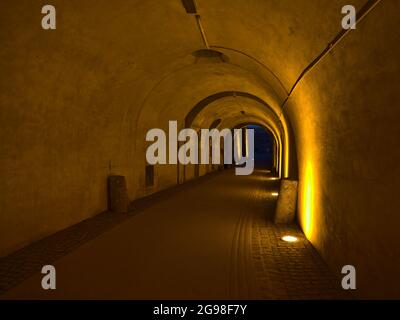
(151, 40)
(232, 110)
(269, 42)
(175, 96)
(285, 35)
(130, 65)
(234, 101)
(274, 46)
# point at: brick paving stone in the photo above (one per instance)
(280, 270)
(289, 270)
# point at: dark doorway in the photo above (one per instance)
(263, 148)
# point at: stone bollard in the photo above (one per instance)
(117, 194)
(287, 200)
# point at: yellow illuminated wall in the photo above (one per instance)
(308, 202)
(308, 143)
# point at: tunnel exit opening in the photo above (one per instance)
(266, 148)
(263, 148)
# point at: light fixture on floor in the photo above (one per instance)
(275, 194)
(289, 238)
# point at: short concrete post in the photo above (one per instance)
(287, 201)
(117, 194)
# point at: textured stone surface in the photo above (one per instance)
(74, 99)
(345, 116)
(287, 202)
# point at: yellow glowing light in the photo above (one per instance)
(308, 201)
(289, 238)
(275, 194)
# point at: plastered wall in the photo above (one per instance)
(345, 115)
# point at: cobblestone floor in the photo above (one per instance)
(275, 269)
(289, 270)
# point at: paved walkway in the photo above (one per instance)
(208, 239)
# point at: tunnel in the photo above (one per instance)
(77, 192)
